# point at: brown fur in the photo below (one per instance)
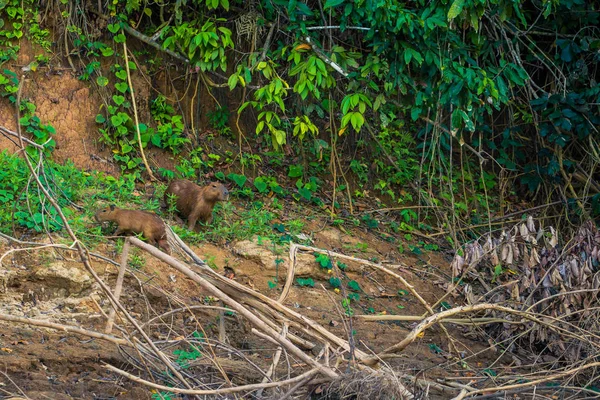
(194, 202)
(134, 221)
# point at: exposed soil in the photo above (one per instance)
(42, 362)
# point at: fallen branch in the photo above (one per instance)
(324, 57)
(65, 328)
(118, 285)
(256, 299)
(568, 373)
(243, 311)
(148, 40)
(199, 392)
(429, 321)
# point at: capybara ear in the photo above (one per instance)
(112, 207)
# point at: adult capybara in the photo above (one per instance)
(194, 202)
(134, 221)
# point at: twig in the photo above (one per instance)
(135, 113)
(267, 44)
(324, 57)
(316, 28)
(271, 370)
(567, 373)
(7, 131)
(118, 285)
(65, 328)
(290, 273)
(215, 391)
(429, 321)
(148, 40)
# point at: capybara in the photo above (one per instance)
(134, 221)
(194, 202)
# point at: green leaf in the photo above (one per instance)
(155, 140)
(121, 87)
(272, 285)
(100, 119)
(295, 171)
(455, 9)
(332, 3)
(305, 282)
(260, 185)
(354, 296)
(357, 120)
(113, 28)
(323, 261)
(120, 38)
(107, 51)
(118, 99)
(122, 75)
(305, 193)
(279, 228)
(116, 120)
(335, 282)
(435, 348)
(353, 285)
(102, 81)
(240, 180)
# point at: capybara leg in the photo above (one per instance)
(119, 231)
(192, 219)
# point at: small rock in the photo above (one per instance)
(260, 253)
(62, 279)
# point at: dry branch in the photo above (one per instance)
(118, 286)
(266, 304)
(64, 328)
(198, 392)
(243, 311)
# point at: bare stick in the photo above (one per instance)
(6, 131)
(64, 328)
(429, 321)
(567, 373)
(215, 391)
(216, 292)
(290, 273)
(276, 357)
(324, 57)
(118, 286)
(148, 40)
(135, 113)
(381, 268)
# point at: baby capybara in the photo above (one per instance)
(194, 202)
(133, 221)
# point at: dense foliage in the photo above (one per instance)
(456, 105)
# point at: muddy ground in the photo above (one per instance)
(53, 285)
